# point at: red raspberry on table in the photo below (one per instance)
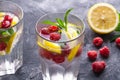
(92, 55)
(3, 45)
(53, 28)
(117, 41)
(44, 31)
(98, 66)
(5, 24)
(104, 52)
(55, 36)
(58, 58)
(98, 41)
(8, 18)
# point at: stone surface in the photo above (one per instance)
(33, 9)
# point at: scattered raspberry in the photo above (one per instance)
(98, 66)
(55, 36)
(44, 31)
(3, 45)
(8, 18)
(58, 58)
(53, 28)
(98, 41)
(92, 55)
(104, 52)
(117, 41)
(5, 24)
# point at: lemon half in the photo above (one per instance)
(103, 18)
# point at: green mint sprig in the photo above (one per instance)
(117, 30)
(62, 24)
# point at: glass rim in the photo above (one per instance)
(83, 30)
(20, 19)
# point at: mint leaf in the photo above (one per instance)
(118, 26)
(60, 23)
(116, 36)
(78, 32)
(65, 17)
(11, 31)
(49, 22)
(5, 33)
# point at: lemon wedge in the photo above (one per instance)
(10, 42)
(50, 46)
(2, 14)
(14, 21)
(73, 52)
(71, 33)
(103, 18)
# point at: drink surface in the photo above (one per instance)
(7, 31)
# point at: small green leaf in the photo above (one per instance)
(60, 22)
(5, 33)
(78, 32)
(49, 22)
(116, 36)
(118, 27)
(11, 31)
(66, 16)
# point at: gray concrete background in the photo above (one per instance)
(33, 9)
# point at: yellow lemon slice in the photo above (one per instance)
(103, 18)
(10, 42)
(1, 18)
(2, 14)
(71, 33)
(50, 46)
(14, 21)
(73, 52)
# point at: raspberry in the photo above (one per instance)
(8, 18)
(3, 45)
(98, 66)
(104, 52)
(92, 55)
(79, 52)
(46, 54)
(98, 41)
(65, 50)
(55, 36)
(58, 58)
(117, 41)
(53, 28)
(5, 24)
(44, 31)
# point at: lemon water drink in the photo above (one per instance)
(11, 28)
(60, 48)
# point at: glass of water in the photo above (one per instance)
(11, 39)
(59, 49)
